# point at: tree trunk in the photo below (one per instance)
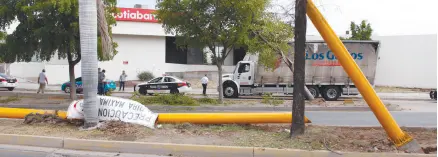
(298, 107)
(221, 87)
(71, 71)
(88, 40)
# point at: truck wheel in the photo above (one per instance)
(314, 91)
(331, 93)
(230, 91)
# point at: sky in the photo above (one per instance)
(387, 17)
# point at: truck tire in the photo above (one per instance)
(331, 93)
(230, 91)
(314, 90)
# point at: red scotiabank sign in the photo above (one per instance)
(136, 14)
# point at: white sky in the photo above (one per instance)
(387, 17)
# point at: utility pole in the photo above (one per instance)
(298, 127)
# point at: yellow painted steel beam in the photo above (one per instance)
(337, 47)
(20, 113)
(195, 118)
(226, 118)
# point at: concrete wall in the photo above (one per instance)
(407, 61)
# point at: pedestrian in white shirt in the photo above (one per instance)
(122, 80)
(42, 80)
(204, 82)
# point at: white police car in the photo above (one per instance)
(7, 82)
(164, 84)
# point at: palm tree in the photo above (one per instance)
(90, 13)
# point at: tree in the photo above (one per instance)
(219, 25)
(88, 45)
(298, 127)
(361, 32)
(47, 28)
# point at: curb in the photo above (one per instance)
(178, 149)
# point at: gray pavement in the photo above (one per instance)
(366, 119)
(26, 151)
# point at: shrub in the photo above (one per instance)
(208, 101)
(167, 99)
(145, 76)
(269, 99)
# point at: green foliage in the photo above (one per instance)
(362, 31)
(9, 99)
(210, 23)
(46, 27)
(268, 37)
(167, 99)
(145, 76)
(207, 101)
(269, 99)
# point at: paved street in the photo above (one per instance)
(25, 151)
(407, 119)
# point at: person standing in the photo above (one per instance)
(122, 80)
(101, 84)
(204, 82)
(99, 73)
(42, 81)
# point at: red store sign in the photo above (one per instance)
(135, 14)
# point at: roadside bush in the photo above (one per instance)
(269, 99)
(208, 101)
(167, 99)
(145, 76)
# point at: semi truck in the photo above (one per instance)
(324, 75)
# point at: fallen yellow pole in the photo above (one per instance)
(394, 132)
(20, 113)
(226, 118)
(195, 118)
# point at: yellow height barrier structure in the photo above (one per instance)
(400, 138)
(195, 118)
(227, 118)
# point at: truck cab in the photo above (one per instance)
(242, 76)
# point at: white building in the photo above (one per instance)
(405, 61)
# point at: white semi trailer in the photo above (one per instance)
(324, 75)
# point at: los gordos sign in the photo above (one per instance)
(136, 14)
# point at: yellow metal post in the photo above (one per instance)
(394, 132)
(195, 118)
(227, 118)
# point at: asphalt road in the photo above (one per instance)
(364, 119)
(25, 151)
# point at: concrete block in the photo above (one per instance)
(158, 148)
(27, 140)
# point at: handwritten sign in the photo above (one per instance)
(113, 108)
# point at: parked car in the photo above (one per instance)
(109, 85)
(8, 82)
(164, 84)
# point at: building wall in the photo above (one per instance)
(407, 61)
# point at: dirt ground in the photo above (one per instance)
(370, 139)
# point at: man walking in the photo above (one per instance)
(122, 80)
(204, 82)
(42, 80)
(101, 84)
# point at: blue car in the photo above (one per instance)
(109, 85)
